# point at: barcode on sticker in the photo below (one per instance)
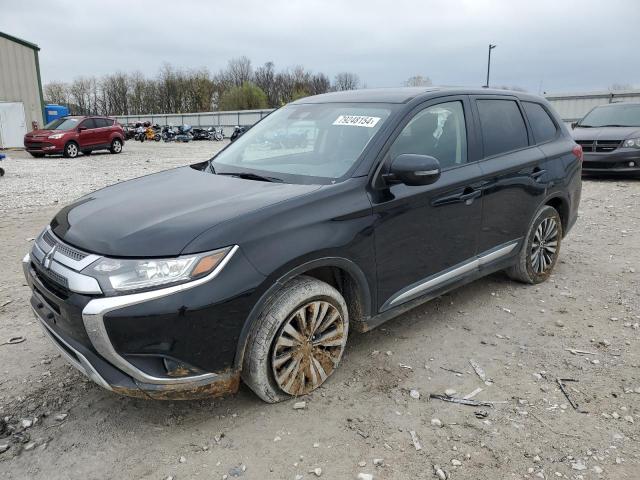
(357, 121)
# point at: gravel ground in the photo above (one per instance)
(61, 426)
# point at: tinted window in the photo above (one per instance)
(438, 131)
(503, 127)
(88, 123)
(102, 122)
(541, 124)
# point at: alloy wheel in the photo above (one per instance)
(544, 245)
(308, 347)
(72, 150)
(117, 146)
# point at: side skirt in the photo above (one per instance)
(489, 262)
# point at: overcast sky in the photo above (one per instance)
(543, 45)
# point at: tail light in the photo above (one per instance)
(577, 151)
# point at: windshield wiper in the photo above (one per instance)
(614, 125)
(584, 126)
(252, 176)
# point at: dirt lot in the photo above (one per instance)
(520, 335)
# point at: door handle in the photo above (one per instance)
(468, 195)
(537, 174)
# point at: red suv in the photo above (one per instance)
(71, 135)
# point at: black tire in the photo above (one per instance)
(316, 360)
(541, 248)
(36, 154)
(86, 152)
(1, 172)
(71, 150)
(116, 146)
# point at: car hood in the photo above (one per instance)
(44, 133)
(605, 133)
(158, 215)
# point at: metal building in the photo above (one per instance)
(21, 102)
(574, 106)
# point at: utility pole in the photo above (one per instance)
(491, 47)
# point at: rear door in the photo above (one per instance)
(512, 167)
(89, 136)
(103, 130)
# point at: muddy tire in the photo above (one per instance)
(541, 248)
(297, 341)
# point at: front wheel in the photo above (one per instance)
(116, 146)
(297, 341)
(541, 248)
(71, 150)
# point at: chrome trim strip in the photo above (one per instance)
(93, 318)
(81, 363)
(76, 281)
(435, 280)
(423, 173)
(74, 264)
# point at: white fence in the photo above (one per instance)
(574, 106)
(226, 120)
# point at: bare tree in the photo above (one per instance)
(418, 81)
(346, 81)
(239, 71)
(265, 78)
(56, 92)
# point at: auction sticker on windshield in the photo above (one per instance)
(357, 121)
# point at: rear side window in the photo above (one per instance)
(502, 125)
(88, 123)
(541, 124)
(103, 122)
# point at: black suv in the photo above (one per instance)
(610, 139)
(336, 212)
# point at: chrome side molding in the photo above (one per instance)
(429, 283)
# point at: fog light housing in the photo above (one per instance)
(632, 164)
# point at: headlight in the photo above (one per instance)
(123, 275)
(56, 136)
(632, 142)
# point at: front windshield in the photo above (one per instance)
(62, 124)
(305, 140)
(618, 115)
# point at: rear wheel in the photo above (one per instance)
(116, 146)
(539, 254)
(297, 342)
(37, 154)
(71, 150)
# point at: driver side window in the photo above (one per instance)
(438, 131)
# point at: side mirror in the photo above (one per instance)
(82, 129)
(413, 170)
(574, 125)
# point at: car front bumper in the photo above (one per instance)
(620, 161)
(167, 347)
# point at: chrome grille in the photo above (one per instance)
(599, 146)
(70, 252)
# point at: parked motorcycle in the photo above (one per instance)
(2, 157)
(216, 134)
(237, 132)
(201, 133)
(184, 133)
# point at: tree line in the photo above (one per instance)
(239, 86)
